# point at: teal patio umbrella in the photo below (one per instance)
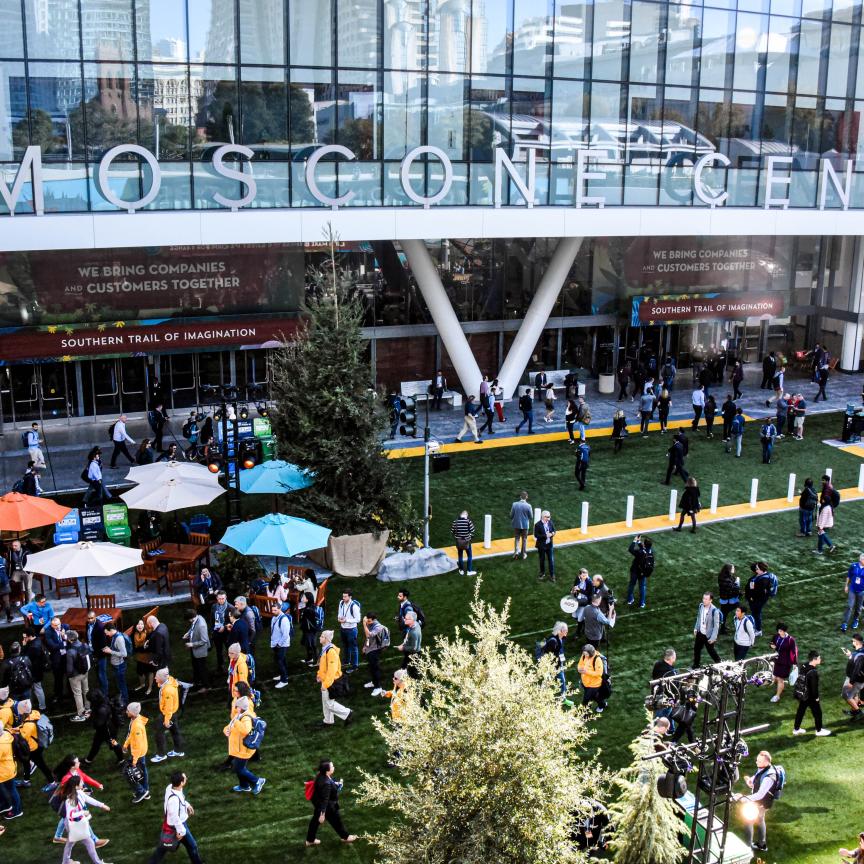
(274, 477)
(276, 535)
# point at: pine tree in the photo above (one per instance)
(490, 766)
(329, 420)
(644, 825)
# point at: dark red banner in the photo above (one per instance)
(705, 307)
(29, 343)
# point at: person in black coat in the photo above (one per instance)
(728, 410)
(810, 673)
(106, 727)
(34, 651)
(676, 461)
(325, 800)
(690, 504)
(309, 628)
(239, 630)
(769, 369)
(158, 643)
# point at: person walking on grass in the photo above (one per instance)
(853, 683)
(325, 802)
(75, 809)
(236, 732)
(745, 633)
(176, 812)
(544, 538)
(462, 530)
(647, 404)
(787, 658)
(736, 433)
(280, 641)
(727, 412)
(689, 504)
(349, 618)
(169, 706)
(521, 514)
(807, 694)
(469, 421)
(762, 586)
(706, 630)
(583, 457)
(824, 522)
(619, 430)
(412, 642)
(767, 437)
(377, 639)
(641, 567)
(854, 591)
(808, 500)
(526, 406)
(664, 405)
(675, 454)
(329, 672)
(136, 744)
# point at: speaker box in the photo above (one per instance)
(440, 462)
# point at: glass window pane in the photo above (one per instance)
(684, 23)
(750, 37)
(263, 115)
(814, 8)
(448, 33)
(712, 118)
(52, 30)
(490, 26)
(532, 36)
(165, 109)
(211, 31)
(606, 119)
(310, 31)
(56, 113)
(262, 32)
(611, 37)
(781, 41)
(14, 132)
(489, 119)
(573, 23)
(717, 47)
(403, 113)
(359, 115)
(217, 117)
(404, 42)
(809, 51)
(776, 127)
(644, 42)
(569, 119)
(786, 7)
(11, 32)
(844, 10)
(107, 29)
(447, 114)
(110, 108)
(311, 110)
(357, 33)
(161, 30)
(838, 59)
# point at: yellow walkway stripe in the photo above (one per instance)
(651, 524)
(854, 449)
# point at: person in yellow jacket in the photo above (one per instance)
(7, 712)
(236, 731)
(10, 800)
(29, 731)
(136, 744)
(592, 665)
(169, 705)
(398, 696)
(238, 666)
(329, 672)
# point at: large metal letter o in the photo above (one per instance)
(405, 171)
(105, 167)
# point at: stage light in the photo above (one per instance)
(749, 811)
(243, 413)
(217, 415)
(262, 409)
(213, 467)
(249, 463)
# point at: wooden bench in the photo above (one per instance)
(267, 606)
(555, 377)
(420, 391)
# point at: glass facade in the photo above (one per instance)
(652, 85)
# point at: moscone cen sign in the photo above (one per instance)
(777, 178)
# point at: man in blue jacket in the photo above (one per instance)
(583, 457)
(855, 592)
(39, 612)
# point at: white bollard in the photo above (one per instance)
(628, 519)
(673, 505)
(790, 491)
(754, 491)
(715, 494)
(829, 473)
(861, 479)
(537, 513)
(584, 524)
(487, 531)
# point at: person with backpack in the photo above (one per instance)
(106, 718)
(767, 436)
(583, 458)
(324, 795)
(78, 664)
(526, 406)
(593, 672)
(238, 666)
(349, 617)
(310, 626)
(766, 785)
(641, 567)
(30, 439)
(197, 640)
(728, 594)
(745, 633)
(29, 483)
(136, 744)
(94, 636)
(18, 674)
(807, 502)
(554, 647)
(281, 628)
(75, 810)
(34, 651)
(120, 438)
(176, 811)
(251, 617)
(38, 732)
(169, 707)
(118, 646)
(70, 766)
(97, 492)
(807, 693)
(762, 586)
(377, 639)
(706, 630)
(10, 800)
(787, 658)
(329, 677)
(853, 683)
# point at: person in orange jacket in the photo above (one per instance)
(29, 731)
(592, 665)
(398, 696)
(136, 744)
(238, 666)
(169, 705)
(236, 732)
(329, 672)
(10, 800)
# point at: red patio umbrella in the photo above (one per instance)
(21, 512)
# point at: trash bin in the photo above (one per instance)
(606, 383)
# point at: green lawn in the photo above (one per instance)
(822, 808)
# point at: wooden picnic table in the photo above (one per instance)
(183, 553)
(76, 618)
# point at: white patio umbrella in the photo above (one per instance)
(83, 560)
(174, 493)
(159, 471)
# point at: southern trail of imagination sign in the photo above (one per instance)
(776, 178)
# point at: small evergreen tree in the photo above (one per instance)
(492, 766)
(329, 420)
(644, 825)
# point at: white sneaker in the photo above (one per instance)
(175, 754)
(823, 732)
(472, 573)
(377, 692)
(368, 685)
(281, 684)
(277, 678)
(157, 758)
(800, 732)
(775, 698)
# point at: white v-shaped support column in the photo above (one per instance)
(538, 314)
(443, 315)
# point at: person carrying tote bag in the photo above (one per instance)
(75, 803)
